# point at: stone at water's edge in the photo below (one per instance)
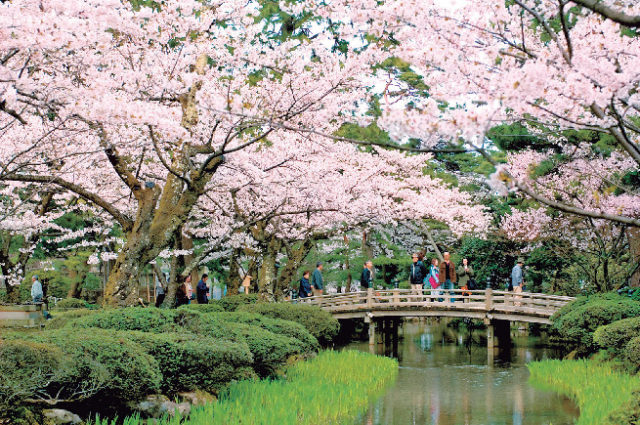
(156, 405)
(197, 398)
(60, 417)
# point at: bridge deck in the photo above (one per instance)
(478, 304)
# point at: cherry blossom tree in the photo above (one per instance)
(135, 110)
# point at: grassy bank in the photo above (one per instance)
(599, 391)
(330, 389)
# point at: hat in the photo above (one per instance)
(35, 276)
(521, 260)
(319, 263)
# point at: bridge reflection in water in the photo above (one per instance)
(444, 380)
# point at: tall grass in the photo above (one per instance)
(330, 389)
(598, 390)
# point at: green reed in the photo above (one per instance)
(598, 390)
(332, 388)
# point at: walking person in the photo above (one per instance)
(417, 273)
(465, 274)
(160, 292)
(36, 290)
(202, 290)
(366, 278)
(316, 280)
(189, 289)
(517, 280)
(447, 274)
(304, 290)
(432, 279)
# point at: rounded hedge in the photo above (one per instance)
(101, 363)
(577, 321)
(203, 308)
(130, 319)
(62, 318)
(631, 352)
(233, 302)
(319, 323)
(70, 303)
(617, 334)
(26, 367)
(190, 362)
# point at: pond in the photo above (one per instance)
(445, 380)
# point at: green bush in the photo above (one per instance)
(616, 335)
(203, 308)
(307, 342)
(131, 319)
(189, 362)
(101, 363)
(631, 353)
(26, 367)
(317, 321)
(70, 303)
(62, 318)
(577, 321)
(270, 351)
(232, 302)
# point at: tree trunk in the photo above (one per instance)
(233, 277)
(295, 259)
(267, 276)
(633, 235)
(347, 263)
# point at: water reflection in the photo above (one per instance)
(445, 380)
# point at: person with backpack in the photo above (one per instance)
(417, 273)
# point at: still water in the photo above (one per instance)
(445, 380)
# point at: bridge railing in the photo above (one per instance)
(482, 300)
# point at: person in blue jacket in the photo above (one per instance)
(316, 280)
(202, 289)
(304, 290)
(36, 290)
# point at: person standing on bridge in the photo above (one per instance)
(316, 280)
(417, 274)
(447, 274)
(366, 278)
(465, 274)
(304, 290)
(517, 277)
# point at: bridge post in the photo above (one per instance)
(488, 299)
(500, 331)
(372, 332)
(370, 297)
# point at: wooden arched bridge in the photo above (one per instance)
(495, 308)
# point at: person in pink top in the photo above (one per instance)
(187, 283)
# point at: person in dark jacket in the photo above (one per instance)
(447, 274)
(417, 273)
(304, 290)
(366, 278)
(202, 289)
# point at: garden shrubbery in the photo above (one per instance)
(60, 319)
(233, 302)
(317, 321)
(203, 308)
(70, 303)
(577, 321)
(631, 353)
(616, 335)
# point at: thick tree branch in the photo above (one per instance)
(601, 8)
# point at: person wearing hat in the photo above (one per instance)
(36, 290)
(517, 279)
(316, 280)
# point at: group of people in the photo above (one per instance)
(441, 275)
(184, 293)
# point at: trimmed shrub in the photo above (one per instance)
(317, 321)
(270, 351)
(189, 362)
(62, 318)
(70, 303)
(232, 302)
(631, 353)
(131, 319)
(102, 364)
(203, 308)
(307, 342)
(577, 321)
(616, 335)
(26, 367)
